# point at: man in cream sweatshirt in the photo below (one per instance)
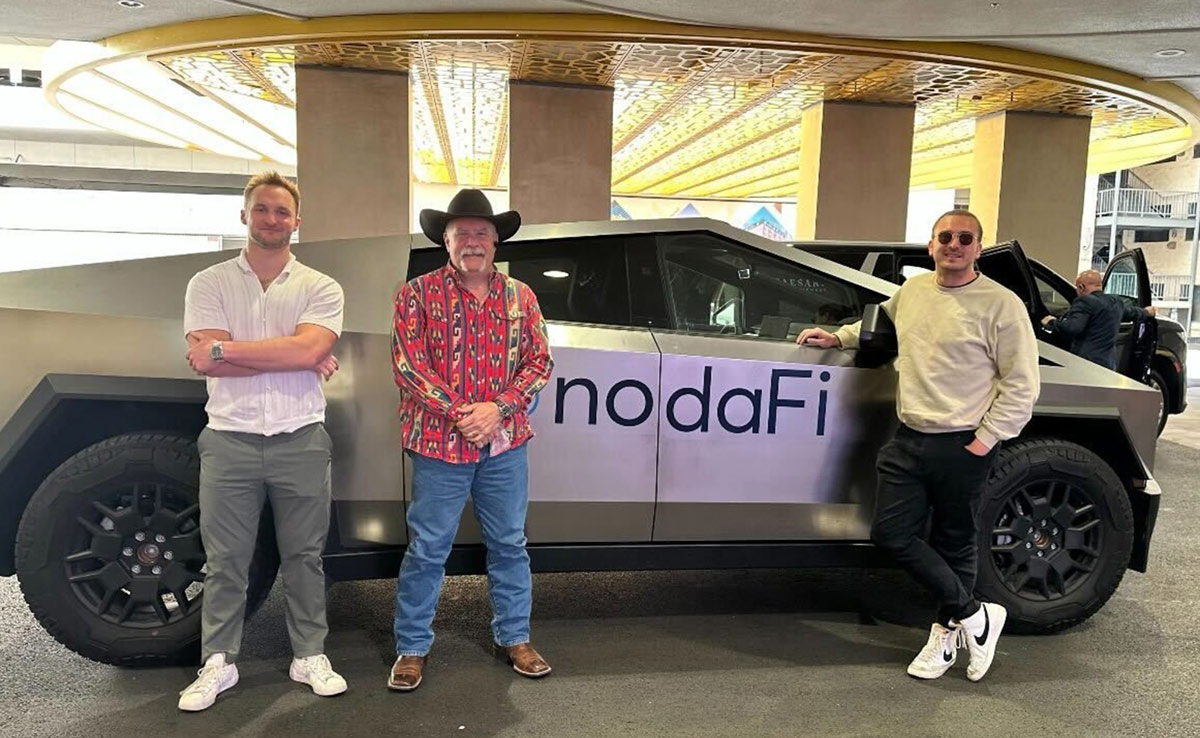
(968, 378)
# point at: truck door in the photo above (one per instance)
(1128, 278)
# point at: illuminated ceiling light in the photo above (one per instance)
(712, 132)
(141, 99)
(1169, 53)
(555, 274)
(131, 4)
(115, 121)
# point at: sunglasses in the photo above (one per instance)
(965, 238)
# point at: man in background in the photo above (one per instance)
(1094, 319)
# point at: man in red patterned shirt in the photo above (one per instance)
(469, 352)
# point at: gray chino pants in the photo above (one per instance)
(239, 472)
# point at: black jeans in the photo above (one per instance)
(924, 472)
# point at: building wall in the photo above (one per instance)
(1178, 176)
(1165, 258)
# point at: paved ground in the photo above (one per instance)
(765, 653)
(1184, 429)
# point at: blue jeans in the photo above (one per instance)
(498, 488)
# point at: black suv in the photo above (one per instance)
(1153, 352)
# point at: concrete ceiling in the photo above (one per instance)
(1123, 34)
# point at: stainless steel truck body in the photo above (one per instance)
(683, 428)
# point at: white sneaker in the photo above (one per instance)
(316, 672)
(939, 653)
(981, 635)
(215, 677)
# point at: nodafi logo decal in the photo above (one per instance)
(780, 396)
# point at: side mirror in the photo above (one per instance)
(878, 333)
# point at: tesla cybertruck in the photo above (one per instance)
(683, 428)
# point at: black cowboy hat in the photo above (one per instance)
(468, 203)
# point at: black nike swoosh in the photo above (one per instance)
(987, 625)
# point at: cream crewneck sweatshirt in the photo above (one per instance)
(968, 358)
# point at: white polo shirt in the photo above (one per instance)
(229, 297)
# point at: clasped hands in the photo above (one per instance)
(478, 422)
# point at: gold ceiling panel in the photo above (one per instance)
(787, 162)
(719, 115)
(380, 56)
(1134, 127)
(784, 174)
(581, 63)
(769, 148)
(726, 147)
(460, 92)
(697, 125)
(688, 119)
(266, 74)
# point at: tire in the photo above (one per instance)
(1055, 534)
(1160, 384)
(109, 555)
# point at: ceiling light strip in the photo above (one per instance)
(180, 114)
(522, 54)
(787, 85)
(694, 80)
(728, 152)
(756, 192)
(135, 121)
(721, 175)
(277, 95)
(719, 192)
(433, 99)
(610, 77)
(500, 146)
(202, 90)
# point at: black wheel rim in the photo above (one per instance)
(135, 557)
(1046, 540)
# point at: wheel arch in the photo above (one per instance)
(1166, 364)
(1105, 435)
(65, 413)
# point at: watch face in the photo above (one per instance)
(216, 351)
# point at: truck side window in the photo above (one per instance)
(580, 280)
(1056, 302)
(716, 286)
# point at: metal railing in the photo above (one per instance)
(1141, 203)
(1122, 283)
(1164, 288)
(1173, 288)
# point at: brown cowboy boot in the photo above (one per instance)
(526, 661)
(406, 673)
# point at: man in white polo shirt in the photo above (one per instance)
(262, 328)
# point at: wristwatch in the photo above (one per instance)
(216, 352)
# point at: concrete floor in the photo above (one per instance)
(1184, 428)
(688, 654)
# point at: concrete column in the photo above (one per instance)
(560, 151)
(1029, 181)
(352, 141)
(855, 162)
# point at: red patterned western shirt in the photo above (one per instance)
(450, 350)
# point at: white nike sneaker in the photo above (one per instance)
(214, 678)
(981, 641)
(939, 653)
(316, 672)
